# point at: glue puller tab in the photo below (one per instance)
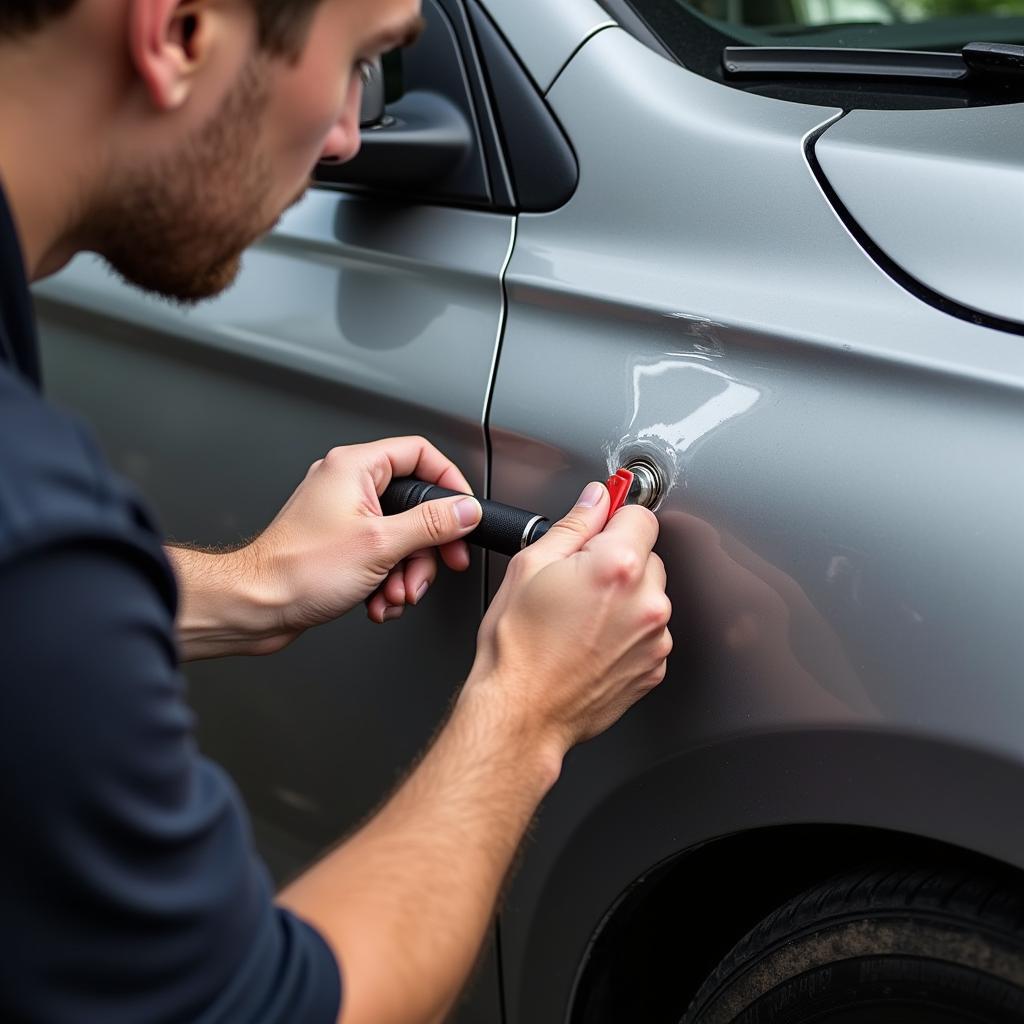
(506, 529)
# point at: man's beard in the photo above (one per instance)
(179, 229)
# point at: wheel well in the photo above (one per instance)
(667, 932)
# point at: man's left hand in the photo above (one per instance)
(327, 550)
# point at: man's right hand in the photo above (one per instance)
(578, 631)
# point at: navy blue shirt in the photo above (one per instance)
(130, 891)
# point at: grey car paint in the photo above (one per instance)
(841, 532)
(923, 185)
(544, 36)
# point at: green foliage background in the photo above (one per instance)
(951, 8)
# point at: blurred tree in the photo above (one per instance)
(915, 9)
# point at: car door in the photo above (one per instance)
(368, 312)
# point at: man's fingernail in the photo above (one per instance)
(420, 592)
(467, 512)
(392, 613)
(591, 495)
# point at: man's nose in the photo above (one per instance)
(344, 140)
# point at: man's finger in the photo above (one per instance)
(633, 526)
(456, 555)
(656, 572)
(420, 571)
(585, 520)
(414, 456)
(394, 587)
(379, 609)
(430, 524)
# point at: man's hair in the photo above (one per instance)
(281, 24)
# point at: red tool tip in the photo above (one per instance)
(618, 488)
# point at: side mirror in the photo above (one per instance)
(417, 121)
(371, 113)
(419, 142)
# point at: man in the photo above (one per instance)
(167, 135)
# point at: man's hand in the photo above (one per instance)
(576, 634)
(578, 631)
(328, 549)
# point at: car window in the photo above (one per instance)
(883, 24)
(837, 52)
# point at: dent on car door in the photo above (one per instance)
(827, 434)
(361, 316)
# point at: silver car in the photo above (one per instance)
(774, 249)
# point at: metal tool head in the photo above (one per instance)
(648, 486)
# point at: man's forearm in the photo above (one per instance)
(406, 901)
(222, 608)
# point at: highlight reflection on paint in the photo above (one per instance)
(670, 442)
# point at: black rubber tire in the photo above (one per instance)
(884, 945)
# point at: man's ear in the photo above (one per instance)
(167, 42)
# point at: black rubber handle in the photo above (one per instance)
(503, 528)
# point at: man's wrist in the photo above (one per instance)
(228, 604)
(537, 749)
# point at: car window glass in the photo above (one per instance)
(878, 24)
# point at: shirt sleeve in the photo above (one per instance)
(131, 890)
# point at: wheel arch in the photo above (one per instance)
(637, 948)
(640, 874)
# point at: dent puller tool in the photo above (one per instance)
(506, 529)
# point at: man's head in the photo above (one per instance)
(197, 121)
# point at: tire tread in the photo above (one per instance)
(993, 902)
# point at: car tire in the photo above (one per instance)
(884, 945)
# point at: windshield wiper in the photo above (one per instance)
(977, 63)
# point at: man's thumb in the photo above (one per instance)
(431, 524)
(586, 519)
